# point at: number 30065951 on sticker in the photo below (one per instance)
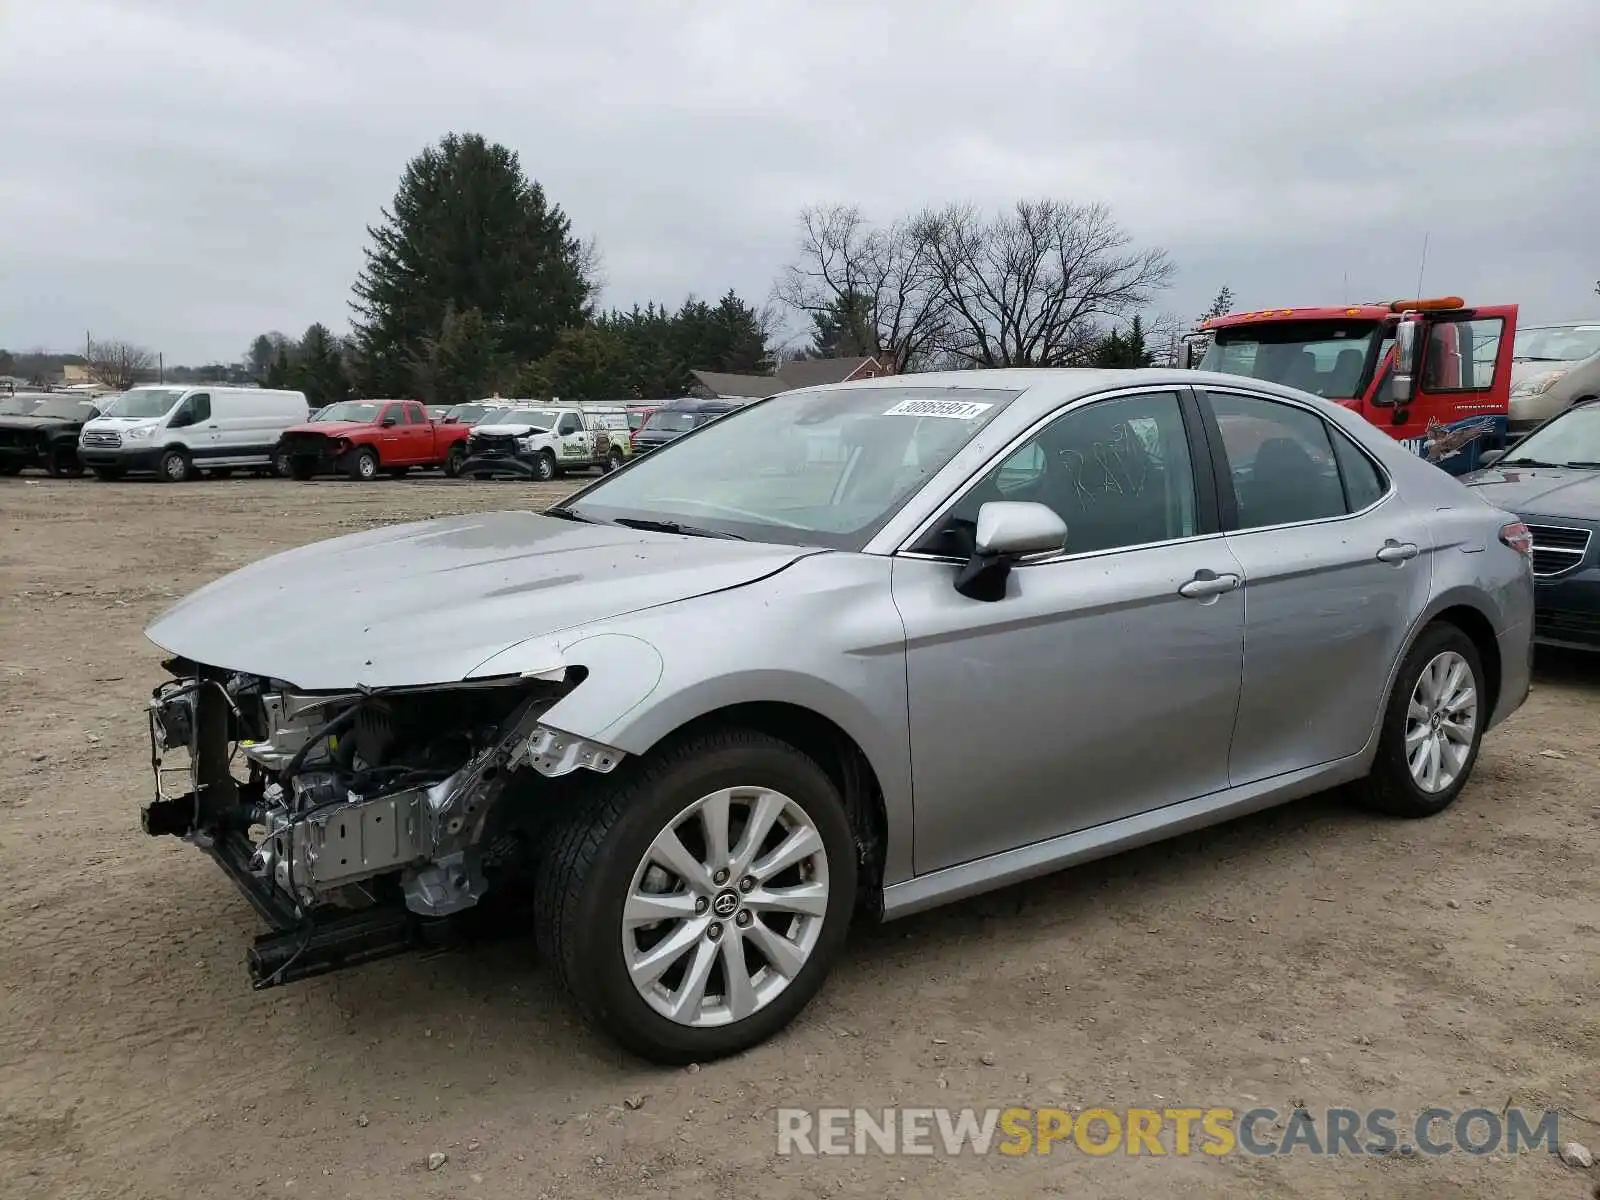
(961, 410)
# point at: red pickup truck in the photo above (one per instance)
(364, 438)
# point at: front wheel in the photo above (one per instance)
(697, 903)
(544, 466)
(282, 463)
(175, 466)
(64, 464)
(363, 464)
(1432, 728)
(453, 461)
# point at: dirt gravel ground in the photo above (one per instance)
(1309, 955)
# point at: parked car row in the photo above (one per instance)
(177, 433)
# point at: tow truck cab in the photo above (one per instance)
(1435, 374)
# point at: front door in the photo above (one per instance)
(572, 441)
(1463, 386)
(1105, 682)
(1336, 565)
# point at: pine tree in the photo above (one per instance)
(1221, 306)
(319, 369)
(467, 231)
(462, 362)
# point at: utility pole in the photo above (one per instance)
(161, 366)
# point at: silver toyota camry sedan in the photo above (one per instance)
(846, 654)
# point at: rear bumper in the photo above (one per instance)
(1516, 671)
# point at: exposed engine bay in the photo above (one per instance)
(357, 823)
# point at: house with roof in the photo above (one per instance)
(796, 373)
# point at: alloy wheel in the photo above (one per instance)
(1441, 721)
(725, 907)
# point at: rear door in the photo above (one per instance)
(1336, 568)
(419, 434)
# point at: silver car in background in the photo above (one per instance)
(1553, 367)
(850, 652)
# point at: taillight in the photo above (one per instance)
(1518, 537)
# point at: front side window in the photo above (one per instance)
(1460, 355)
(569, 424)
(1117, 471)
(1282, 462)
(824, 467)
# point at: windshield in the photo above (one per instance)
(487, 417)
(541, 419)
(467, 413)
(67, 410)
(1556, 343)
(17, 406)
(636, 419)
(819, 468)
(669, 420)
(1325, 358)
(1573, 437)
(143, 402)
(350, 410)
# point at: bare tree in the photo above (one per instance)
(116, 364)
(881, 280)
(1034, 286)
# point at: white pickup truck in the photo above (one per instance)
(543, 441)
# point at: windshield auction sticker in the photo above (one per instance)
(961, 410)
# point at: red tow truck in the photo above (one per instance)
(366, 438)
(1434, 373)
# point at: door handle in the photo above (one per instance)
(1208, 583)
(210, 426)
(1397, 552)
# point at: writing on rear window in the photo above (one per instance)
(961, 410)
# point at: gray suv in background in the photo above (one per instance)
(1552, 368)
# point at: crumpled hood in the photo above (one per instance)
(37, 423)
(507, 430)
(1540, 491)
(425, 603)
(330, 428)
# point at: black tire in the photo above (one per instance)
(282, 463)
(175, 466)
(64, 464)
(544, 466)
(362, 464)
(109, 474)
(614, 460)
(453, 459)
(587, 869)
(1391, 788)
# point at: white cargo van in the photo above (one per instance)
(178, 431)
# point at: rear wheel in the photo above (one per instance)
(362, 463)
(696, 904)
(1432, 728)
(175, 466)
(614, 459)
(282, 464)
(108, 473)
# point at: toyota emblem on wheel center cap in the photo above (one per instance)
(725, 904)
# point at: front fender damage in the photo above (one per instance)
(380, 809)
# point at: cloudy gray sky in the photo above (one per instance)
(187, 173)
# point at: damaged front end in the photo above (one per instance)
(359, 824)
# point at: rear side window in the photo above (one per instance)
(416, 415)
(1281, 461)
(1364, 484)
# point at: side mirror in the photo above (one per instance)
(1402, 383)
(1488, 458)
(1007, 530)
(1188, 355)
